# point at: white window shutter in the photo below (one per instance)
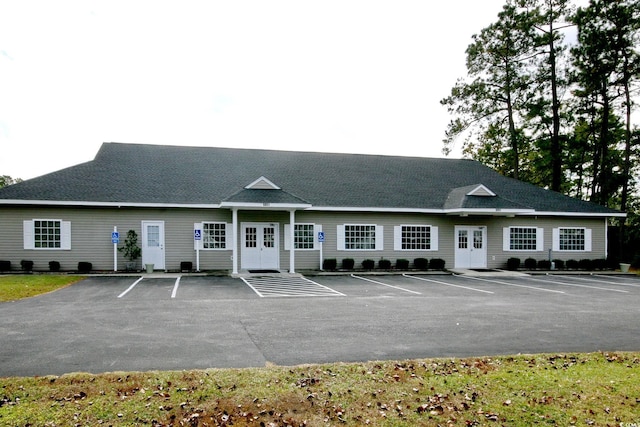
(506, 239)
(397, 238)
(197, 226)
(434, 238)
(556, 240)
(287, 239)
(65, 235)
(379, 238)
(228, 234)
(540, 239)
(340, 237)
(316, 229)
(587, 239)
(27, 232)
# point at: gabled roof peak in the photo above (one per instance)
(482, 191)
(262, 183)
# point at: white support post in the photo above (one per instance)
(115, 251)
(234, 233)
(292, 252)
(198, 255)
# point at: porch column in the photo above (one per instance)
(234, 233)
(292, 252)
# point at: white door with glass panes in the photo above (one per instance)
(153, 244)
(471, 247)
(260, 245)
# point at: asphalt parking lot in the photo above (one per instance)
(123, 323)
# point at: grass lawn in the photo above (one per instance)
(599, 389)
(15, 287)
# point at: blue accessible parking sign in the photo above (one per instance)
(321, 236)
(197, 234)
(115, 237)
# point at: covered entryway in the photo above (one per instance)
(153, 244)
(260, 243)
(471, 246)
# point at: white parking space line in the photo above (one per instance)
(605, 281)
(511, 284)
(175, 287)
(577, 286)
(130, 287)
(288, 287)
(447, 284)
(385, 284)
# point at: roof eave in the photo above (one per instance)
(265, 206)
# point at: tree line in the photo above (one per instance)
(549, 99)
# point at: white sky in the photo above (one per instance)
(358, 76)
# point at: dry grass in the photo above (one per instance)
(574, 389)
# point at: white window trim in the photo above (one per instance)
(397, 238)
(379, 229)
(506, 239)
(29, 235)
(228, 236)
(587, 239)
(287, 236)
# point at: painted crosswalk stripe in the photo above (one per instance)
(266, 286)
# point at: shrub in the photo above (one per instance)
(5, 265)
(348, 263)
(186, 266)
(402, 264)
(421, 263)
(585, 264)
(368, 264)
(84, 267)
(26, 265)
(384, 264)
(436, 264)
(513, 264)
(599, 264)
(572, 264)
(559, 263)
(329, 264)
(54, 266)
(544, 264)
(530, 264)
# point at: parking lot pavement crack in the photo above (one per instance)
(253, 341)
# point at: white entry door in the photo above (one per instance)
(260, 245)
(471, 247)
(153, 244)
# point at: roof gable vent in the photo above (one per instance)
(262, 183)
(481, 191)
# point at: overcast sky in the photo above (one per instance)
(357, 76)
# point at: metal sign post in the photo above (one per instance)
(115, 239)
(321, 241)
(197, 235)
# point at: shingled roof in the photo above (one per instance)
(136, 174)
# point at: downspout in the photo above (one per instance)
(292, 246)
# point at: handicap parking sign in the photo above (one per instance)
(197, 234)
(321, 236)
(115, 237)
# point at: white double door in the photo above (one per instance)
(260, 246)
(471, 246)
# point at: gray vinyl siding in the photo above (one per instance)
(91, 236)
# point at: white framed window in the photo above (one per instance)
(215, 235)
(572, 239)
(415, 238)
(360, 237)
(523, 238)
(47, 234)
(304, 236)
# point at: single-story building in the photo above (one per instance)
(279, 210)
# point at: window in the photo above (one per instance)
(366, 237)
(523, 238)
(214, 235)
(415, 238)
(304, 236)
(47, 234)
(572, 239)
